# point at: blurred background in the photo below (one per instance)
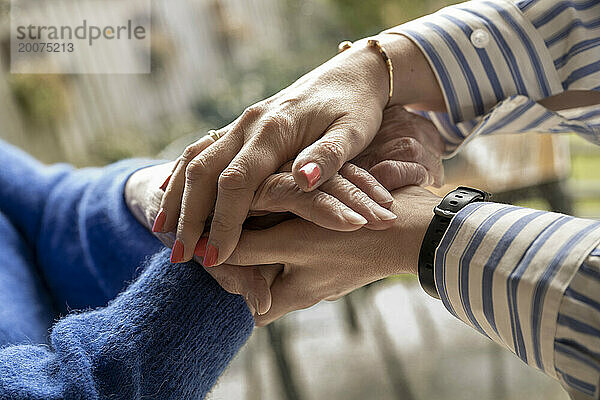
(213, 58)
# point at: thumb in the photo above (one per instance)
(323, 159)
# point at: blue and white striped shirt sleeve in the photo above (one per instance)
(494, 59)
(530, 281)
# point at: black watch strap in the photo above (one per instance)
(452, 203)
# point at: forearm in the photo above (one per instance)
(415, 83)
(506, 270)
(168, 336)
(85, 241)
(89, 244)
(499, 67)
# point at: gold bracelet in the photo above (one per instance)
(345, 45)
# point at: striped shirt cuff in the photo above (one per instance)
(503, 270)
(577, 342)
(482, 52)
(517, 114)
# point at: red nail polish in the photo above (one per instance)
(312, 173)
(200, 249)
(159, 222)
(212, 253)
(177, 252)
(163, 187)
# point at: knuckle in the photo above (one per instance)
(388, 172)
(188, 220)
(252, 112)
(189, 153)
(351, 170)
(410, 147)
(234, 177)
(319, 200)
(280, 187)
(196, 169)
(356, 195)
(221, 223)
(319, 203)
(414, 173)
(355, 135)
(390, 167)
(277, 122)
(228, 282)
(334, 149)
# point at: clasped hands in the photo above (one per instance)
(293, 263)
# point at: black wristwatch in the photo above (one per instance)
(444, 212)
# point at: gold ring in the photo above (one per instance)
(214, 135)
(345, 45)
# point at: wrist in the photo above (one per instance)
(363, 63)
(416, 83)
(142, 193)
(414, 208)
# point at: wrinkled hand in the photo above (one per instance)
(407, 150)
(321, 121)
(319, 264)
(278, 193)
(143, 197)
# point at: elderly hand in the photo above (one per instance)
(321, 121)
(407, 150)
(143, 196)
(277, 193)
(319, 264)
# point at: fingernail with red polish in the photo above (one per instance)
(312, 173)
(163, 187)
(159, 222)
(200, 249)
(210, 258)
(177, 252)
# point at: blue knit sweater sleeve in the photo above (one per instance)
(168, 335)
(85, 241)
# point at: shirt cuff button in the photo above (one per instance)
(480, 38)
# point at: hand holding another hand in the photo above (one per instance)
(320, 264)
(405, 151)
(321, 121)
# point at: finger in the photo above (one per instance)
(397, 118)
(199, 194)
(165, 183)
(259, 158)
(368, 184)
(324, 158)
(396, 174)
(288, 294)
(171, 201)
(346, 192)
(284, 243)
(279, 193)
(246, 281)
(411, 150)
